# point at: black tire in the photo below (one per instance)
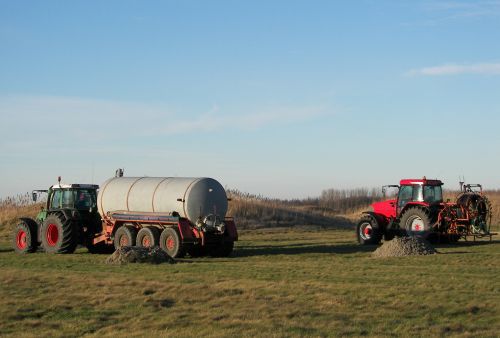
(222, 250)
(148, 237)
(368, 231)
(101, 248)
(24, 239)
(170, 242)
(58, 234)
(416, 221)
(125, 236)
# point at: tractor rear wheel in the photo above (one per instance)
(125, 236)
(170, 242)
(368, 231)
(59, 235)
(148, 237)
(24, 239)
(416, 222)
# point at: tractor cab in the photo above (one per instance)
(82, 197)
(418, 192)
(77, 199)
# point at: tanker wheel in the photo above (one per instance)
(170, 242)
(148, 237)
(417, 222)
(368, 231)
(125, 236)
(24, 239)
(58, 235)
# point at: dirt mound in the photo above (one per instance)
(404, 246)
(134, 254)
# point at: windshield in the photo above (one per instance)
(82, 199)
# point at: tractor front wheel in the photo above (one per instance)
(417, 222)
(58, 235)
(368, 231)
(24, 240)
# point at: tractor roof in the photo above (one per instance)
(419, 181)
(69, 186)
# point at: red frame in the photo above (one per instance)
(188, 233)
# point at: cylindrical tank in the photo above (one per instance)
(191, 197)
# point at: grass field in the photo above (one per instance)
(279, 282)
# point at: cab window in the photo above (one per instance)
(85, 199)
(56, 199)
(68, 198)
(433, 194)
(405, 195)
(418, 194)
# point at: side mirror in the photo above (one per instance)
(34, 196)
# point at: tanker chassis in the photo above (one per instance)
(180, 215)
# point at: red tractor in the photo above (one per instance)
(419, 210)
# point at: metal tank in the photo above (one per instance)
(193, 198)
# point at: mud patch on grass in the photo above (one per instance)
(134, 254)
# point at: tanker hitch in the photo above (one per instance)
(211, 223)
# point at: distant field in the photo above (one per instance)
(280, 282)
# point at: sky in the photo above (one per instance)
(278, 98)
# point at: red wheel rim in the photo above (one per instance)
(367, 231)
(52, 234)
(170, 243)
(21, 240)
(146, 242)
(123, 240)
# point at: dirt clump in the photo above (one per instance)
(135, 254)
(404, 246)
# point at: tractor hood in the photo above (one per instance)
(386, 208)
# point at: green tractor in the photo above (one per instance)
(70, 218)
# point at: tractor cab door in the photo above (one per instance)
(55, 200)
(405, 195)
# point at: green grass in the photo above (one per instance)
(280, 282)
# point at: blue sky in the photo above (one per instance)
(280, 98)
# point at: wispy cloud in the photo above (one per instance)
(457, 69)
(81, 118)
(212, 121)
